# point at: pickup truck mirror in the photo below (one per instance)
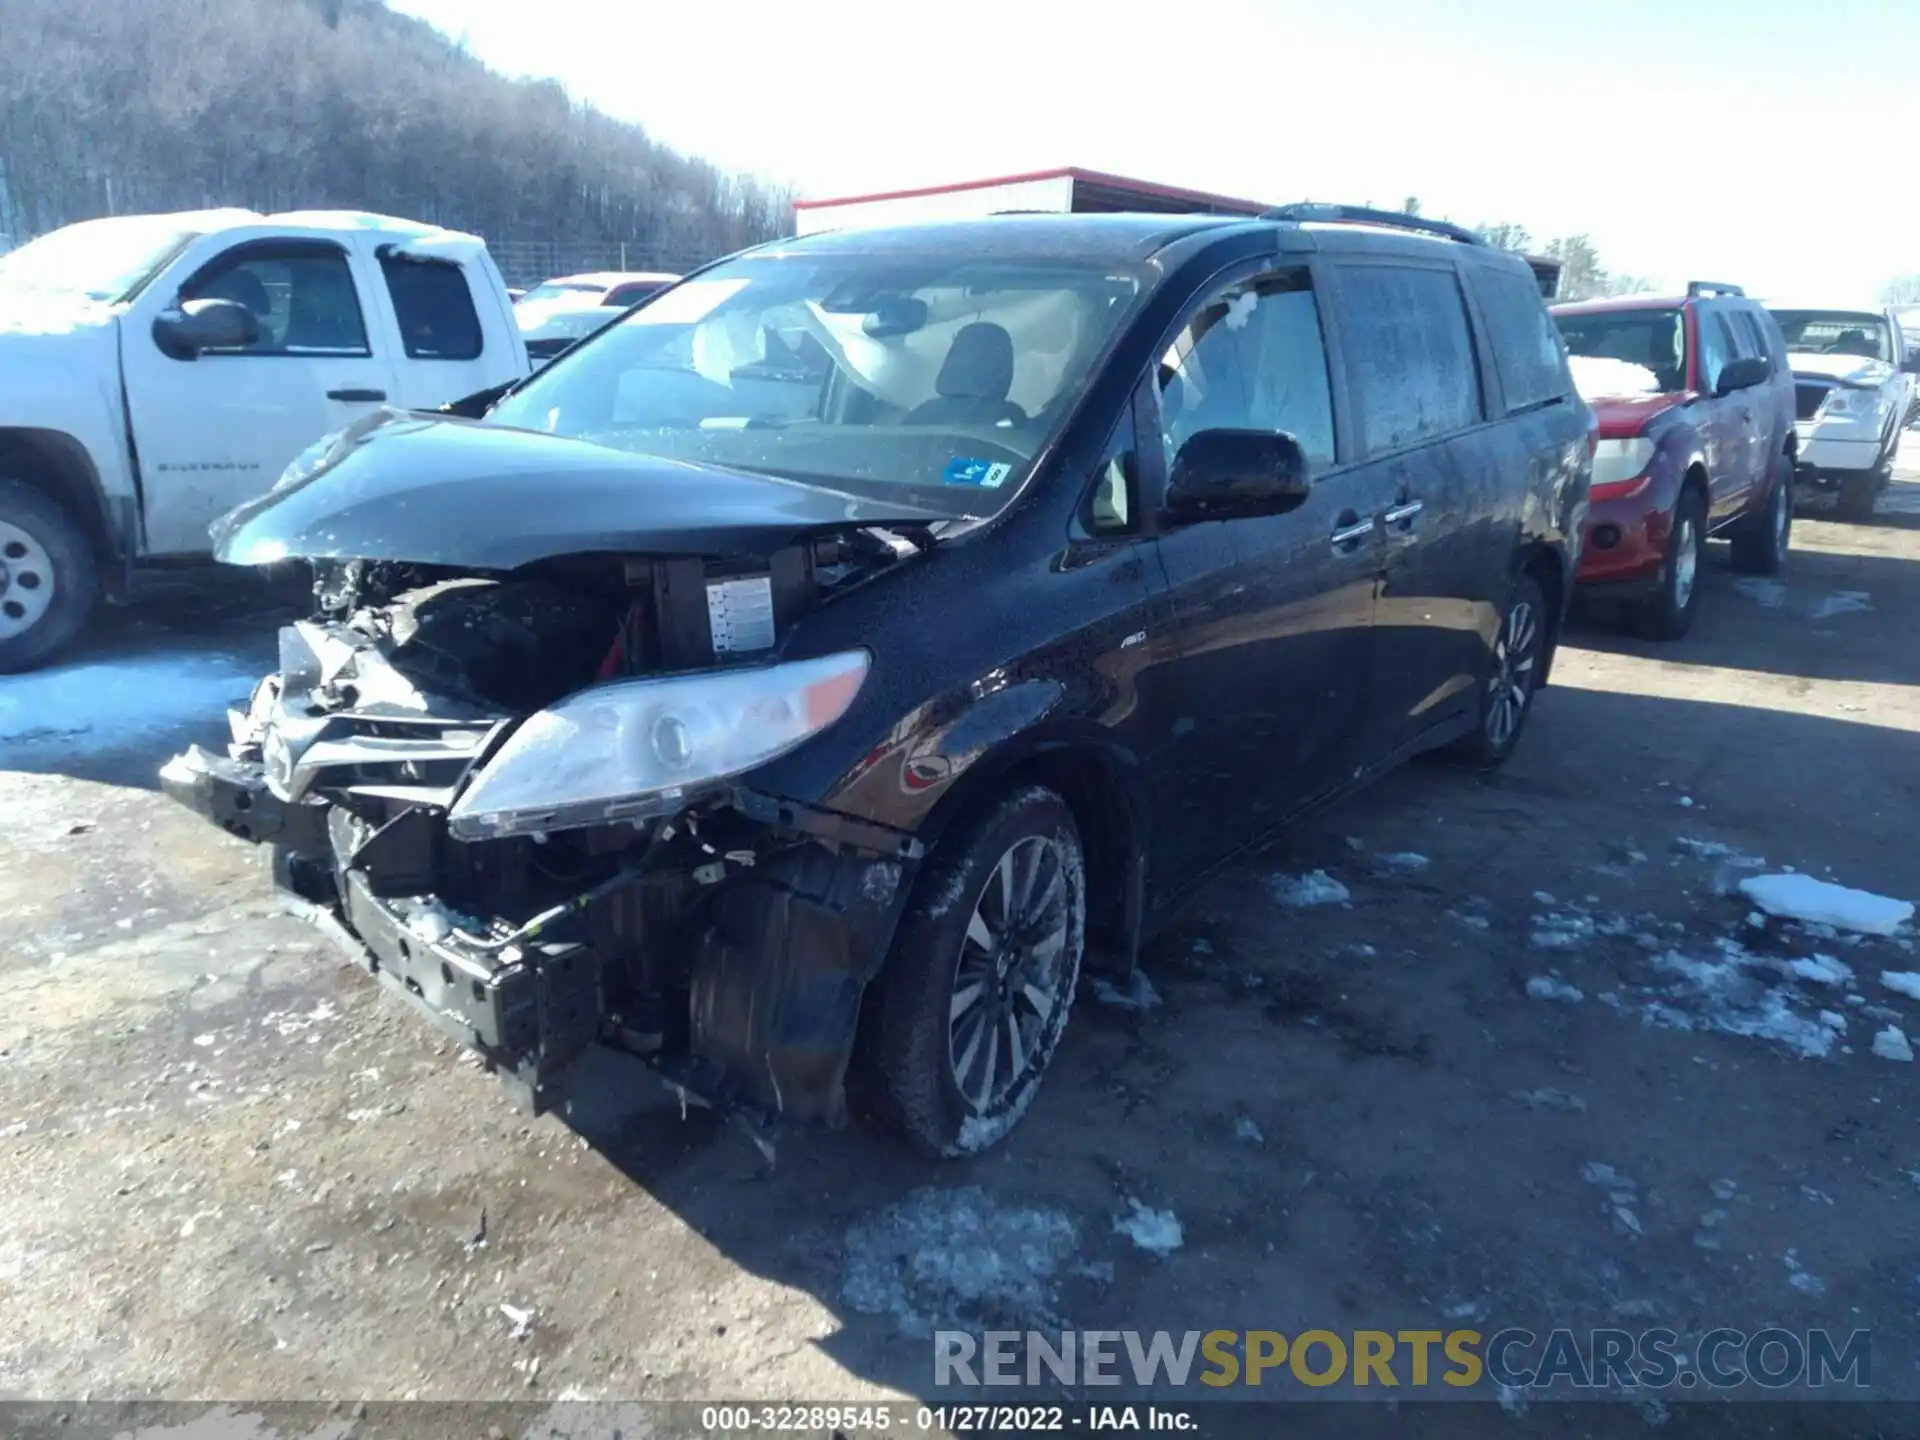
(199, 325)
(1237, 474)
(1743, 374)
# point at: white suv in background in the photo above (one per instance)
(1853, 382)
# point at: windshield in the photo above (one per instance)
(101, 259)
(1648, 348)
(560, 290)
(930, 380)
(1837, 332)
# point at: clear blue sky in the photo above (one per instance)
(1773, 143)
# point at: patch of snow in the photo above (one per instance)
(1717, 850)
(1891, 1044)
(1902, 982)
(1600, 377)
(1822, 970)
(1138, 993)
(1548, 1099)
(1245, 1129)
(1545, 987)
(1841, 602)
(957, 1257)
(1801, 897)
(1561, 930)
(1157, 1232)
(522, 1321)
(1768, 593)
(1727, 996)
(1401, 862)
(1472, 922)
(108, 702)
(1316, 887)
(1807, 1283)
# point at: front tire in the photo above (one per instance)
(1513, 679)
(1667, 614)
(1760, 547)
(971, 1004)
(48, 581)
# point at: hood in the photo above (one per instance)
(1860, 370)
(486, 497)
(565, 322)
(1623, 416)
(26, 311)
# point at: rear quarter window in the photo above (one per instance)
(1527, 353)
(1409, 353)
(434, 307)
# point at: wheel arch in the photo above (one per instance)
(58, 465)
(1547, 565)
(1101, 785)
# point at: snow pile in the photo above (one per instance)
(1892, 1044)
(1902, 982)
(118, 701)
(1821, 970)
(1728, 995)
(957, 1257)
(1546, 987)
(1157, 1232)
(1316, 887)
(1803, 898)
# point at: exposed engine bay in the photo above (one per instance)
(723, 935)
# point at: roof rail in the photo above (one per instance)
(1696, 288)
(1310, 211)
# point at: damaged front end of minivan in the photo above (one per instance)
(510, 756)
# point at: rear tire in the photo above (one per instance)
(1667, 614)
(49, 583)
(972, 1001)
(1512, 680)
(1760, 546)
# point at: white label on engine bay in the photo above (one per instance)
(740, 613)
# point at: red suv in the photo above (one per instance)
(1695, 408)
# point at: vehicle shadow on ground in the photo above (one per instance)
(1810, 620)
(1383, 1125)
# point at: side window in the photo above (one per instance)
(1716, 348)
(1526, 347)
(434, 308)
(1251, 358)
(1752, 334)
(1410, 353)
(301, 293)
(1111, 504)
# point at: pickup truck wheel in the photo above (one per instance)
(48, 581)
(970, 1006)
(1667, 614)
(1760, 544)
(1513, 675)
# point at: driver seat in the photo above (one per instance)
(972, 386)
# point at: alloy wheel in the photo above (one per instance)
(1686, 562)
(26, 581)
(1007, 980)
(1512, 683)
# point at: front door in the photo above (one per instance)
(218, 430)
(1268, 654)
(1728, 419)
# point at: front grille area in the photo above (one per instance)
(1808, 397)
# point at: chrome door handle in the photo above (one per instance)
(1348, 534)
(1400, 514)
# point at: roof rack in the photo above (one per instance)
(1309, 211)
(1697, 288)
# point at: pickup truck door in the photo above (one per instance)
(214, 431)
(451, 324)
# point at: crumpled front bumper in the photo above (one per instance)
(234, 795)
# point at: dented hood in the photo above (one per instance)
(452, 492)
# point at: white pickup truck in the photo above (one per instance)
(1853, 383)
(157, 370)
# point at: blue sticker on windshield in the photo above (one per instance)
(986, 474)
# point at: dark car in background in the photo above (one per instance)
(1695, 406)
(821, 725)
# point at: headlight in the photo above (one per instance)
(637, 748)
(1617, 460)
(1859, 403)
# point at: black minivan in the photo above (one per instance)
(795, 683)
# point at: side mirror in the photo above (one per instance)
(199, 325)
(1743, 374)
(1237, 474)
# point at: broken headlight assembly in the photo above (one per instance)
(634, 749)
